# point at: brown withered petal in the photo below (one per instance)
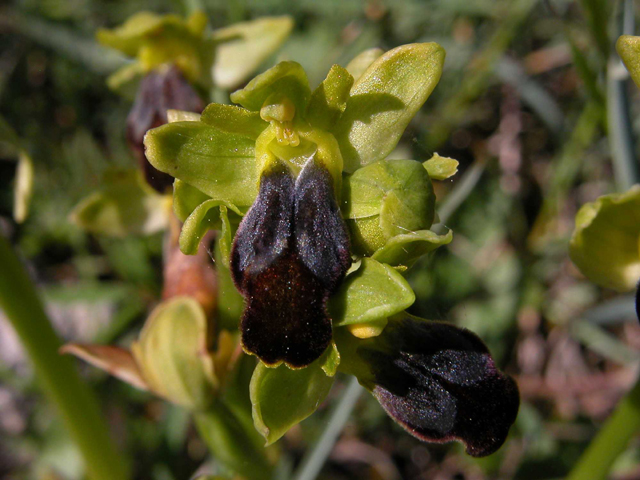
(160, 90)
(290, 252)
(440, 383)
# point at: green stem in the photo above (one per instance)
(611, 440)
(60, 381)
(231, 444)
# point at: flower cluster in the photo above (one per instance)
(323, 227)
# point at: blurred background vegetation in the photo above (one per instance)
(533, 102)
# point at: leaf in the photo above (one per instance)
(628, 48)
(362, 61)
(604, 244)
(282, 397)
(114, 360)
(370, 294)
(219, 164)
(233, 119)
(383, 101)
(173, 356)
(329, 100)
(245, 46)
(404, 250)
(441, 168)
(286, 78)
(203, 219)
(387, 198)
(125, 205)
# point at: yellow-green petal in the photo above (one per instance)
(628, 47)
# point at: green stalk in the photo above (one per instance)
(60, 381)
(231, 444)
(611, 441)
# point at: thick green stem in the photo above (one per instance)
(59, 379)
(611, 441)
(230, 443)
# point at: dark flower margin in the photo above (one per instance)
(285, 160)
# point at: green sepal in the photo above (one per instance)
(182, 116)
(404, 250)
(329, 100)
(387, 198)
(605, 241)
(282, 398)
(441, 168)
(124, 205)
(219, 164)
(243, 47)
(286, 78)
(186, 199)
(371, 293)
(359, 64)
(628, 47)
(173, 356)
(383, 101)
(233, 119)
(23, 188)
(207, 217)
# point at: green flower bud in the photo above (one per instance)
(385, 199)
(173, 356)
(604, 244)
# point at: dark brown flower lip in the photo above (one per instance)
(290, 252)
(440, 384)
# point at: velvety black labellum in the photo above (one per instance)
(158, 92)
(440, 383)
(290, 252)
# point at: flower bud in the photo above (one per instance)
(172, 354)
(385, 199)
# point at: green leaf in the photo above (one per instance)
(233, 119)
(125, 205)
(186, 199)
(362, 61)
(441, 168)
(387, 198)
(604, 244)
(383, 101)
(628, 48)
(245, 46)
(282, 397)
(219, 164)
(286, 78)
(329, 100)
(206, 217)
(371, 293)
(404, 250)
(172, 353)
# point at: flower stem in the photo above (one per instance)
(231, 444)
(60, 381)
(611, 440)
